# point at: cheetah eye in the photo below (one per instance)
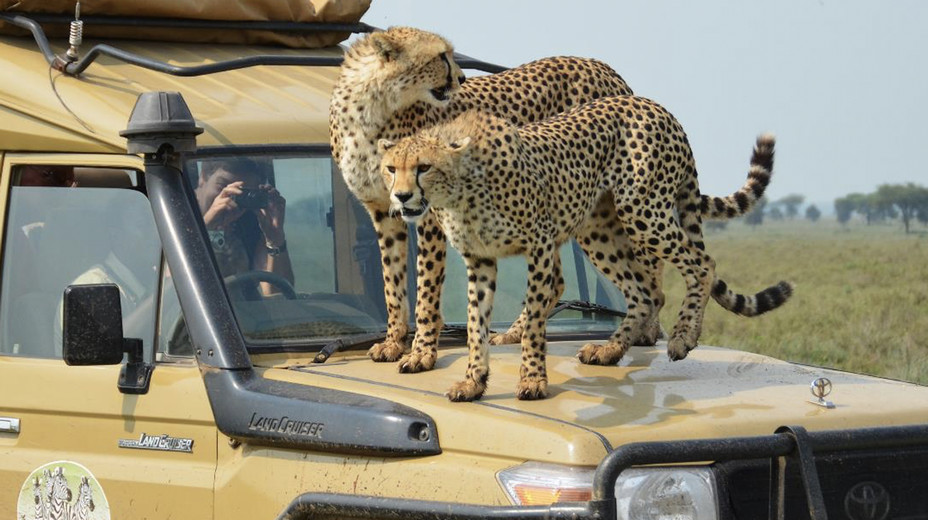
(391, 169)
(422, 168)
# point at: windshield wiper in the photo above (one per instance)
(585, 307)
(368, 339)
(346, 343)
(454, 331)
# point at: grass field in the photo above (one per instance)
(861, 299)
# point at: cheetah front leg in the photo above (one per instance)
(543, 270)
(481, 287)
(392, 237)
(430, 273)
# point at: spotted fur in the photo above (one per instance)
(396, 82)
(499, 190)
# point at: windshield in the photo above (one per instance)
(301, 262)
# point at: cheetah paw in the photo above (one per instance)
(386, 351)
(677, 348)
(505, 338)
(608, 354)
(532, 388)
(418, 361)
(648, 335)
(467, 390)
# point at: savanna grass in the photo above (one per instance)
(860, 303)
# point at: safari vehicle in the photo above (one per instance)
(168, 388)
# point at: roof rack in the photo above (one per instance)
(32, 22)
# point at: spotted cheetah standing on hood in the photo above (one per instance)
(397, 82)
(499, 190)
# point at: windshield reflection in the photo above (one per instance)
(301, 263)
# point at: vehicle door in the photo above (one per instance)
(69, 439)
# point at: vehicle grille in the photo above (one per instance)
(859, 485)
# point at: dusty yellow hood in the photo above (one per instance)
(714, 392)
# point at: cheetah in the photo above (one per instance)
(396, 82)
(499, 190)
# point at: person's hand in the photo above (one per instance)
(224, 211)
(271, 217)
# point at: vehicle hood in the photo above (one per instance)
(714, 392)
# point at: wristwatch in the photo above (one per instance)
(276, 251)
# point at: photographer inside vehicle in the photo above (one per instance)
(244, 215)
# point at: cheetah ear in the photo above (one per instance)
(384, 144)
(385, 46)
(459, 145)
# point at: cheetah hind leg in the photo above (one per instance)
(650, 330)
(606, 245)
(514, 334)
(686, 332)
(614, 350)
(608, 354)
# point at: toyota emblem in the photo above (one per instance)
(867, 501)
(821, 387)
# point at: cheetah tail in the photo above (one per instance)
(742, 201)
(766, 300)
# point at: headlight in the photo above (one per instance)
(666, 493)
(655, 493)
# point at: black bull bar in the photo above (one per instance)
(789, 445)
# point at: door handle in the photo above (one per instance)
(9, 425)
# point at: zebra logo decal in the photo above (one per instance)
(62, 490)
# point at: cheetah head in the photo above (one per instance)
(420, 171)
(411, 65)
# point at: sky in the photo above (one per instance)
(843, 84)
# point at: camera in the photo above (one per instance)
(251, 198)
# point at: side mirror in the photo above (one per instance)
(92, 335)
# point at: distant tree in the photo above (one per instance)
(873, 207)
(907, 198)
(812, 213)
(859, 203)
(791, 204)
(756, 216)
(844, 208)
(775, 213)
(922, 214)
(886, 212)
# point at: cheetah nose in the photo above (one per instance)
(403, 196)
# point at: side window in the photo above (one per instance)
(73, 226)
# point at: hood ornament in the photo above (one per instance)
(821, 387)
